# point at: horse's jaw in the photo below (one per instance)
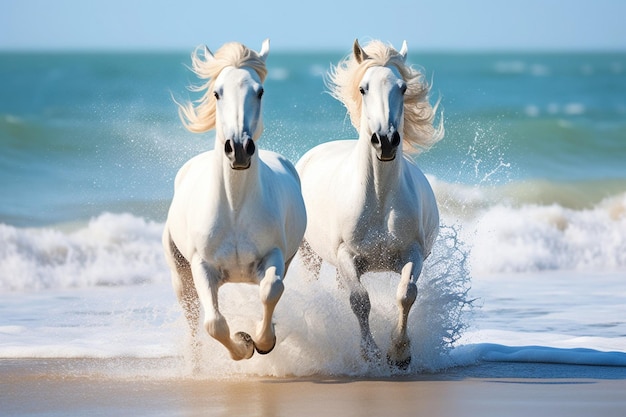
(386, 158)
(240, 166)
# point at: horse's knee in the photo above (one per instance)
(360, 302)
(271, 287)
(217, 327)
(407, 295)
(407, 289)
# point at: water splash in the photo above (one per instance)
(319, 335)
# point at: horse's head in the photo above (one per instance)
(386, 98)
(238, 92)
(231, 103)
(382, 91)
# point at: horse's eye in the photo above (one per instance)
(216, 95)
(362, 91)
(403, 89)
(260, 93)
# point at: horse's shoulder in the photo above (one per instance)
(196, 161)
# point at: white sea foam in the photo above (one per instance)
(568, 109)
(504, 234)
(278, 74)
(538, 226)
(317, 70)
(537, 238)
(112, 249)
(518, 67)
(532, 110)
(539, 70)
(574, 109)
(510, 67)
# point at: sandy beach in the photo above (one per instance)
(45, 387)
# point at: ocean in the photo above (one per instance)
(530, 179)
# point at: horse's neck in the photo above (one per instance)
(381, 178)
(238, 185)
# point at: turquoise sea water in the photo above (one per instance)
(85, 133)
(530, 179)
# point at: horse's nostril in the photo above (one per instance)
(375, 139)
(395, 139)
(249, 147)
(228, 148)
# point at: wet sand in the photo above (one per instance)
(44, 387)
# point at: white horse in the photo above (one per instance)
(237, 214)
(369, 207)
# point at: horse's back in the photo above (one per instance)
(328, 154)
(321, 168)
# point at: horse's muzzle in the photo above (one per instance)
(239, 153)
(386, 147)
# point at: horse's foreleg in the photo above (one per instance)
(206, 280)
(271, 288)
(350, 273)
(400, 351)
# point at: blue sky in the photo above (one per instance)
(447, 25)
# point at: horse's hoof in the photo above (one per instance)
(403, 364)
(248, 343)
(265, 352)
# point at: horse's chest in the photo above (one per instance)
(233, 246)
(234, 250)
(382, 231)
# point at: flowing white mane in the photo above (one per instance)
(343, 82)
(201, 117)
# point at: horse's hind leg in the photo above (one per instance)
(400, 351)
(312, 261)
(182, 282)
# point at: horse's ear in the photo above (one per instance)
(359, 53)
(404, 50)
(265, 49)
(208, 55)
